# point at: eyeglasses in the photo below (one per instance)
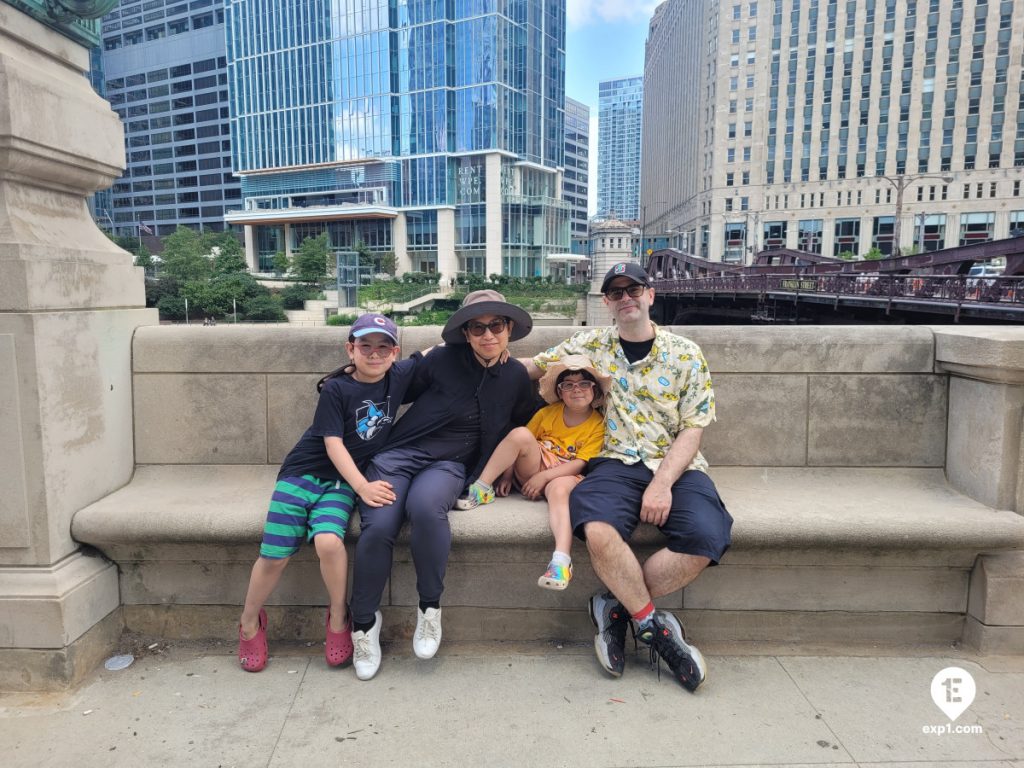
(370, 350)
(582, 386)
(633, 291)
(495, 326)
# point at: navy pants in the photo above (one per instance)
(425, 490)
(612, 492)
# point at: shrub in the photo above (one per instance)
(171, 307)
(264, 309)
(344, 320)
(295, 296)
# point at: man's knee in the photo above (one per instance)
(600, 535)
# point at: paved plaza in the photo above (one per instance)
(530, 705)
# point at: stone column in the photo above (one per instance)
(493, 198)
(984, 452)
(400, 244)
(70, 301)
(447, 261)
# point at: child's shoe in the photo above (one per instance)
(556, 576)
(338, 648)
(252, 653)
(477, 494)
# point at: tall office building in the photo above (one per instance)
(165, 74)
(428, 128)
(576, 179)
(619, 121)
(812, 124)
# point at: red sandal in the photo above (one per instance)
(338, 648)
(252, 653)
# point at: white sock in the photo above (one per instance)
(561, 558)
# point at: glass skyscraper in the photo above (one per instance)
(163, 70)
(619, 125)
(576, 183)
(429, 128)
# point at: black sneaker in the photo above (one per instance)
(667, 640)
(611, 620)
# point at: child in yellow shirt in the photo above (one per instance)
(547, 456)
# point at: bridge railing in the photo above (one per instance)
(957, 289)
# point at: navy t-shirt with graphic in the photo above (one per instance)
(360, 414)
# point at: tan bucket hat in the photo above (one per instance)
(570, 363)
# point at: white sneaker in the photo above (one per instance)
(366, 650)
(427, 638)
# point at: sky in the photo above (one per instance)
(604, 40)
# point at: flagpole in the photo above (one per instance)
(138, 231)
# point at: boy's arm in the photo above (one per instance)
(375, 494)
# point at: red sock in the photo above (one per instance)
(643, 613)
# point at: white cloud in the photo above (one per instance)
(583, 12)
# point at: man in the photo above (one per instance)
(650, 469)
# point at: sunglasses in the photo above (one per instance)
(495, 327)
(633, 291)
(569, 386)
(371, 350)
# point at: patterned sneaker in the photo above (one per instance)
(667, 640)
(477, 494)
(611, 620)
(556, 576)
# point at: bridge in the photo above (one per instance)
(790, 286)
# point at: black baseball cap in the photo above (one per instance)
(629, 269)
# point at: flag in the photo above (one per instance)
(145, 229)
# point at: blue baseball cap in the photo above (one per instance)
(374, 323)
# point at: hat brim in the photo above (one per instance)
(522, 322)
(546, 386)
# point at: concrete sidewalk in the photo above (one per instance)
(538, 705)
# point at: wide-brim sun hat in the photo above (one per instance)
(570, 363)
(486, 302)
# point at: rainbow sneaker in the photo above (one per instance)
(556, 576)
(478, 493)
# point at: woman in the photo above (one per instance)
(466, 401)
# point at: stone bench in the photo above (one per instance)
(865, 511)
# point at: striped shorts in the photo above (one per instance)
(302, 507)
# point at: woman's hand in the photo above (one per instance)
(377, 494)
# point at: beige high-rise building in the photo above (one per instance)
(812, 124)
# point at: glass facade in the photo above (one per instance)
(619, 130)
(409, 95)
(164, 71)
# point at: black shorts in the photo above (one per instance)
(698, 522)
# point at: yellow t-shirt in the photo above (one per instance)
(580, 442)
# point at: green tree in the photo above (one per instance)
(310, 260)
(144, 258)
(387, 262)
(229, 257)
(281, 263)
(184, 257)
(264, 309)
(873, 255)
(847, 256)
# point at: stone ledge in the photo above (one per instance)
(988, 353)
(774, 508)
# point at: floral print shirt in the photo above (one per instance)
(652, 400)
